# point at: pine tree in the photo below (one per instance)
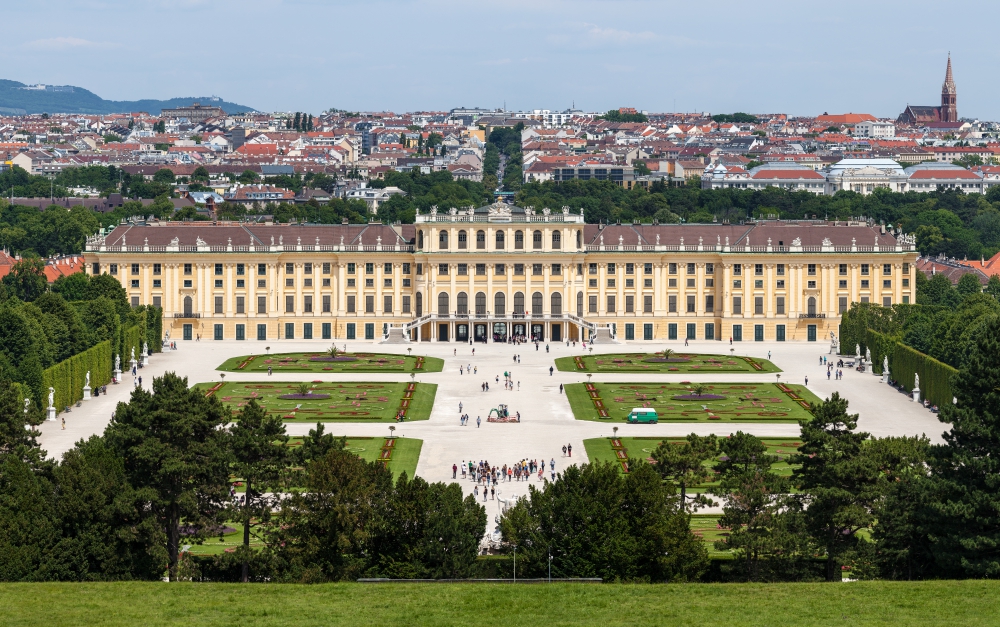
(296, 123)
(839, 482)
(966, 468)
(684, 464)
(259, 458)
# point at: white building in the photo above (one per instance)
(871, 129)
(373, 197)
(865, 176)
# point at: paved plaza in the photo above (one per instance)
(547, 424)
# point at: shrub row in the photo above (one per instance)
(69, 376)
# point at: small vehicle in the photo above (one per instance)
(642, 415)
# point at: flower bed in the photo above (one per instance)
(698, 397)
(304, 397)
(333, 359)
(646, 362)
(323, 362)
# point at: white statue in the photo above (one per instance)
(52, 397)
(857, 351)
(133, 353)
(916, 381)
(145, 348)
(87, 383)
(868, 355)
(885, 364)
(118, 362)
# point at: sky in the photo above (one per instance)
(795, 57)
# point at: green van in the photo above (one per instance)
(642, 415)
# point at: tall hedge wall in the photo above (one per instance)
(132, 337)
(154, 328)
(69, 376)
(935, 377)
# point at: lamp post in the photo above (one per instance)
(615, 429)
(732, 351)
(392, 430)
(267, 350)
(778, 377)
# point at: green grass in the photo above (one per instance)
(600, 449)
(643, 362)
(405, 454)
(860, 604)
(767, 402)
(359, 362)
(347, 402)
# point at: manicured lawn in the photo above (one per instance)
(321, 362)
(155, 604)
(653, 363)
(403, 454)
(740, 402)
(343, 402)
(603, 449)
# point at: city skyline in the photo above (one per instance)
(597, 55)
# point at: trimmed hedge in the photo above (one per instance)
(69, 376)
(935, 377)
(874, 328)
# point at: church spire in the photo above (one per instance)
(949, 81)
(949, 97)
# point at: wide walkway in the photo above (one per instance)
(547, 422)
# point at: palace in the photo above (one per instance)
(490, 273)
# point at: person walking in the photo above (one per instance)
(564, 450)
(454, 471)
(475, 491)
(807, 380)
(550, 371)
(769, 355)
(569, 447)
(460, 370)
(479, 421)
(64, 423)
(269, 371)
(560, 388)
(459, 406)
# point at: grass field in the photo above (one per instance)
(601, 449)
(654, 363)
(404, 455)
(876, 604)
(345, 402)
(320, 362)
(741, 402)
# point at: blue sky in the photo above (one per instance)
(800, 58)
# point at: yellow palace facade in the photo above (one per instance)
(494, 273)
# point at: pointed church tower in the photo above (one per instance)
(949, 100)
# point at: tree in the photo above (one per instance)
(684, 464)
(966, 470)
(324, 528)
(105, 534)
(317, 445)
(993, 287)
(594, 522)
(26, 279)
(175, 453)
(969, 284)
(72, 287)
(248, 177)
(838, 482)
(28, 525)
(16, 438)
(260, 455)
(201, 174)
(754, 499)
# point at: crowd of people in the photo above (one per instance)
(487, 477)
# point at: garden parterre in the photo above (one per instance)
(657, 363)
(320, 361)
(330, 401)
(679, 402)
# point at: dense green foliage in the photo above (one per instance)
(738, 118)
(596, 522)
(615, 115)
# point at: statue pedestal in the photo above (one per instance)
(132, 364)
(916, 395)
(145, 360)
(50, 414)
(86, 393)
(885, 377)
(117, 375)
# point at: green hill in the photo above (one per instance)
(18, 98)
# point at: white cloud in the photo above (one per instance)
(615, 35)
(66, 43)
